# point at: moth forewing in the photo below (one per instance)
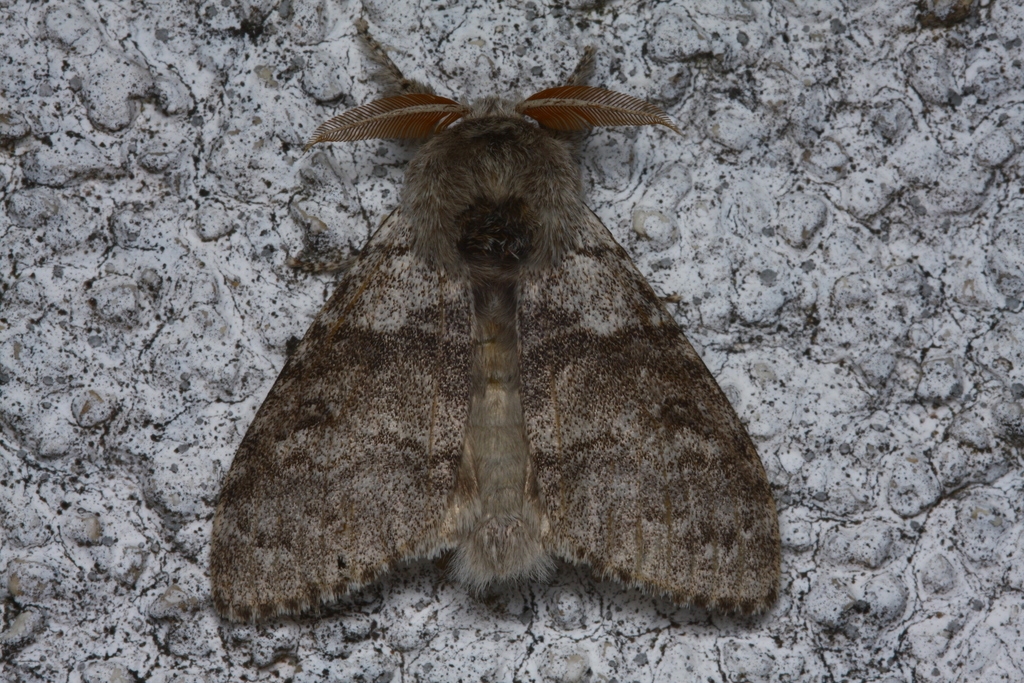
(493, 377)
(346, 468)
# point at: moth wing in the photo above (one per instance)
(347, 466)
(644, 468)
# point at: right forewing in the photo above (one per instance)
(347, 466)
(644, 468)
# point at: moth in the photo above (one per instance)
(494, 379)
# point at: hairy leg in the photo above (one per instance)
(395, 82)
(584, 70)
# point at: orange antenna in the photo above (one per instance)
(580, 107)
(415, 115)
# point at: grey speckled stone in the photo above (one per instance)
(838, 230)
(65, 158)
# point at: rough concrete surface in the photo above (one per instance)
(840, 230)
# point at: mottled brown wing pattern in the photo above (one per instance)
(645, 469)
(311, 481)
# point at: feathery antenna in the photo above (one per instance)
(580, 107)
(415, 115)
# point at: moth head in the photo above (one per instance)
(417, 115)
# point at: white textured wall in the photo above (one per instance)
(842, 224)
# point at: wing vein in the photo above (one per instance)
(442, 333)
(343, 315)
(558, 444)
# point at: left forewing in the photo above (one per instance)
(645, 470)
(348, 464)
